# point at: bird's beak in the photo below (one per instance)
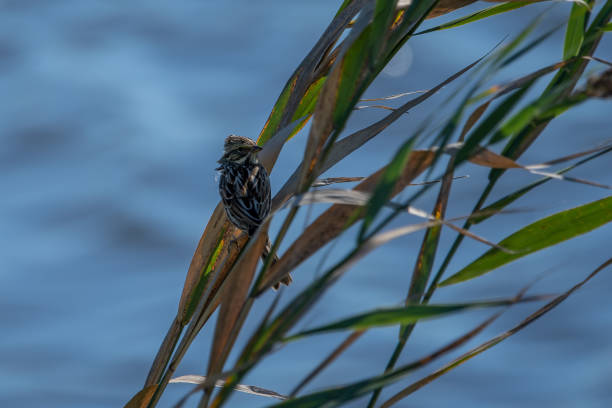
(256, 148)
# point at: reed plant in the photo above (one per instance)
(490, 126)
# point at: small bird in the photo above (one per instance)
(244, 187)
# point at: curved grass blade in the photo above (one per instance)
(165, 352)
(510, 198)
(232, 302)
(486, 158)
(385, 186)
(529, 46)
(339, 217)
(336, 396)
(422, 269)
(539, 235)
(400, 315)
(574, 35)
(522, 85)
(479, 15)
(494, 341)
(334, 180)
(328, 360)
(211, 255)
(347, 145)
(247, 389)
(391, 97)
(142, 397)
(335, 104)
(262, 342)
(566, 79)
(293, 94)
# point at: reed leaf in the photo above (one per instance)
(399, 315)
(541, 234)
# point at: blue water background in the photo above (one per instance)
(113, 116)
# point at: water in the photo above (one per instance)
(113, 116)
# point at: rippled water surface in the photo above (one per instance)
(113, 116)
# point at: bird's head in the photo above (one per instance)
(238, 149)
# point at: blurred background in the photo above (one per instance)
(114, 115)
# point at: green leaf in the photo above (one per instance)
(607, 27)
(203, 281)
(494, 341)
(479, 15)
(351, 77)
(383, 16)
(307, 105)
(343, 6)
(530, 45)
(385, 186)
(490, 122)
(334, 397)
(309, 100)
(574, 36)
(539, 235)
(276, 115)
(398, 315)
(527, 117)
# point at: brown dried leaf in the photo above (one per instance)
(446, 6)
(165, 352)
(208, 242)
(333, 221)
(346, 343)
(347, 145)
(142, 398)
(232, 299)
(326, 109)
(474, 118)
(485, 157)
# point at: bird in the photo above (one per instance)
(244, 186)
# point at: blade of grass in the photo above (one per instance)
(479, 15)
(231, 303)
(494, 341)
(205, 258)
(522, 84)
(528, 80)
(349, 144)
(329, 118)
(400, 315)
(142, 398)
(222, 391)
(576, 26)
(328, 360)
(337, 218)
(541, 234)
(391, 97)
(336, 396)
(569, 76)
(288, 103)
(247, 389)
(334, 180)
(262, 342)
(385, 186)
(510, 198)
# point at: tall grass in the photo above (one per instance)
(325, 89)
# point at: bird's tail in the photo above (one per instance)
(287, 278)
